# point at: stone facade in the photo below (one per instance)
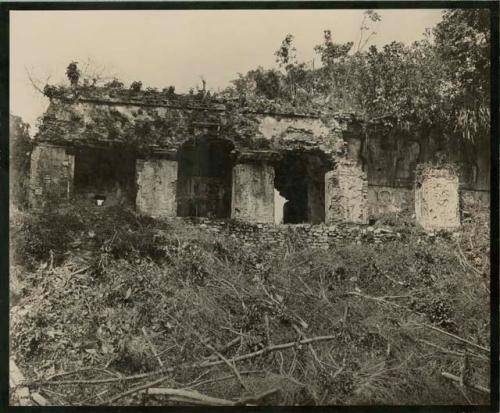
(204, 157)
(346, 194)
(156, 187)
(437, 199)
(51, 177)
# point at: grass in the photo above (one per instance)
(186, 287)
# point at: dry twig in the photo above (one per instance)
(458, 380)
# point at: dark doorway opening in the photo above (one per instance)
(105, 176)
(204, 178)
(300, 179)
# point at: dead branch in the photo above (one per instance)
(457, 379)
(33, 83)
(463, 340)
(203, 364)
(194, 397)
(152, 346)
(136, 389)
(190, 395)
(257, 398)
(450, 352)
(39, 399)
(229, 376)
(226, 361)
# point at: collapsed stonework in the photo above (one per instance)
(176, 155)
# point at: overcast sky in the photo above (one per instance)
(162, 48)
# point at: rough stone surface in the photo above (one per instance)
(437, 199)
(387, 199)
(253, 193)
(319, 236)
(146, 123)
(346, 194)
(156, 187)
(51, 175)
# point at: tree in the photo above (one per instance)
(368, 15)
(463, 41)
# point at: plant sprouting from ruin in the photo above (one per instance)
(73, 73)
(136, 86)
(368, 16)
(286, 55)
(330, 52)
(114, 84)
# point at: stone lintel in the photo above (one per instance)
(265, 156)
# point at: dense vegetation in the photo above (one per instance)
(441, 81)
(105, 295)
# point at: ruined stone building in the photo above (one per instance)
(171, 155)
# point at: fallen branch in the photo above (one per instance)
(458, 380)
(152, 346)
(225, 360)
(187, 395)
(194, 397)
(196, 365)
(451, 352)
(75, 273)
(229, 376)
(136, 389)
(463, 340)
(257, 398)
(68, 373)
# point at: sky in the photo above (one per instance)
(177, 47)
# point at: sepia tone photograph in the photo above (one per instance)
(250, 207)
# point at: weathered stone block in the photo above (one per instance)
(156, 187)
(51, 175)
(346, 194)
(437, 199)
(253, 193)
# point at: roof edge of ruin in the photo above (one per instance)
(101, 95)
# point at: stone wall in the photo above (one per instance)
(306, 235)
(51, 176)
(387, 199)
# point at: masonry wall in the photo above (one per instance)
(390, 156)
(306, 235)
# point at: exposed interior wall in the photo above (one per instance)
(204, 178)
(107, 174)
(299, 178)
(389, 199)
